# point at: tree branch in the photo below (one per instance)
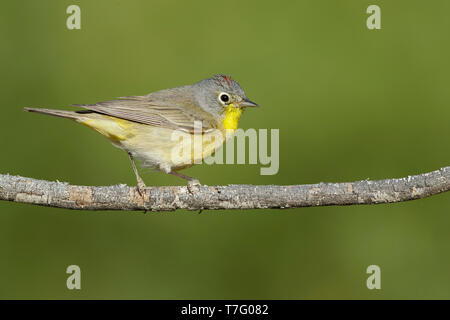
(122, 197)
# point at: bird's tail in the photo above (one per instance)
(113, 128)
(58, 113)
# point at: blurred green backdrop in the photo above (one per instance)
(350, 104)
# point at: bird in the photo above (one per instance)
(160, 128)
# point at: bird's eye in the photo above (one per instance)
(224, 97)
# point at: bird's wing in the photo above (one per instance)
(175, 112)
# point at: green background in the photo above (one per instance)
(350, 103)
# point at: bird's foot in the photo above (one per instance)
(141, 188)
(193, 185)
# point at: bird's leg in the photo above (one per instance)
(192, 182)
(140, 183)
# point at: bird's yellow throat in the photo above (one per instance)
(232, 116)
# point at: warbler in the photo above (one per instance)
(147, 127)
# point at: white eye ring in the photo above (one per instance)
(224, 98)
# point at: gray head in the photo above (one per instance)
(220, 91)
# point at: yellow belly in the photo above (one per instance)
(155, 146)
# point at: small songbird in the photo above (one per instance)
(153, 128)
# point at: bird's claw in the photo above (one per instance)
(141, 188)
(193, 185)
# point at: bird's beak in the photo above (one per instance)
(247, 103)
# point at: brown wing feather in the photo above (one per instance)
(167, 108)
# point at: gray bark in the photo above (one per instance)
(122, 197)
